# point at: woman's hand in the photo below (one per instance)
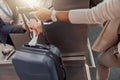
(43, 14)
(35, 26)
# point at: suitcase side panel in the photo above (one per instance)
(38, 67)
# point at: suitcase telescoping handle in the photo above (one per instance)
(21, 11)
(32, 35)
(28, 16)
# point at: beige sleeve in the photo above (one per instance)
(106, 10)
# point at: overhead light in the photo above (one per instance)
(35, 3)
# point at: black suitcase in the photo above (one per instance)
(40, 62)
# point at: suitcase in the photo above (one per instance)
(40, 62)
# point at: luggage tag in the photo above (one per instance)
(33, 41)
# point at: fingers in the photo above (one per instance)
(23, 27)
(37, 27)
(43, 14)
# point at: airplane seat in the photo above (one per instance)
(71, 39)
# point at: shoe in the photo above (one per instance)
(6, 49)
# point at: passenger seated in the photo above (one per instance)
(7, 18)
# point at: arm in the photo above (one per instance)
(17, 28)
(6, 29)
(107, 10)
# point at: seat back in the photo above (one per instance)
(69, 38)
